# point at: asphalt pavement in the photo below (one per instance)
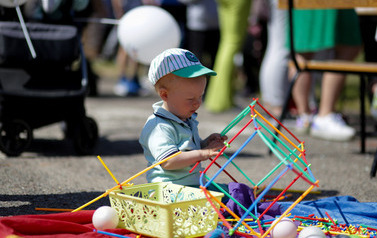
(50, 175)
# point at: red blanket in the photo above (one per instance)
(68, 224)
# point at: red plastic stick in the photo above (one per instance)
(279, 123)
(330, 219)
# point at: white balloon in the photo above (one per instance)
(49, 6)
(11, 3)
(105, 217)
(312, 232)
(146, 31)
(286, 228)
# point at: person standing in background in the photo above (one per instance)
(203, 32)
(329, 29)
(233, 24)
(368, 29)
(273, 77)
(128, 84)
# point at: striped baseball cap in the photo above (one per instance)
(178, 61)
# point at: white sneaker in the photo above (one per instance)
(331, 127)
(126, 87)
(303, 123)
(121, 88)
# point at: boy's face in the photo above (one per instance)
(184, 96)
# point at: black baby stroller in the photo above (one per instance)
(36, 92)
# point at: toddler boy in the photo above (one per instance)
(180, 80)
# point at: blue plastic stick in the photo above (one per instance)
(231, 158)
(259, 198)
(110, 234)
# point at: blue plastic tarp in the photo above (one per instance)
(346, 209)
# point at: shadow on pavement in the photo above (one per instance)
(27, 204)
(52, 147)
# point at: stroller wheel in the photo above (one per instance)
(86, 136)
(15, 137)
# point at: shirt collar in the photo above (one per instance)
(162, 112)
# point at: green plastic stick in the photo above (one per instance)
(230, 197)
(267, 141)
(284, 144)
(238, 118)
(240, 170)
(289, 158)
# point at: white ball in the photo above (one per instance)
(105, 217)
(49, 6)
(146, 31)
(311, 232)
(286, 228)
(11, 3)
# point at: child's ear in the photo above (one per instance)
(163, 92)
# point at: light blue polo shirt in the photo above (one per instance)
(165, 134)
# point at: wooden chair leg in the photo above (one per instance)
(287, 99)
(285, 105)
(362, 114)
(374, 166)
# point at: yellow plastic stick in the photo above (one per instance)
(108, 170)
(126, 181)
(295, 191)
(234, 219)
(230, 211)
(53, 209)
(290, 208)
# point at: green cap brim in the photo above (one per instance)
(194, 71)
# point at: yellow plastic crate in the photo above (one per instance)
(165, 210)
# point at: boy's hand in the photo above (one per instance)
(210, 148)
(212, 144)
(214, 138)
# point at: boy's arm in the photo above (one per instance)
(187, 158)
(211, 148)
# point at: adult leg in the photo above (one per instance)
(273, 78)
(212, 45)
(196, 43)
(128, 84)
(301, 96)
(332, 83)
(302, 87)
(233, 21)
(328, 125)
